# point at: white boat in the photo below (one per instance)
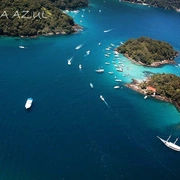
(102, 97)
(116, 87)
(79, 46)
(88, 52)
(118, 80)
(69, 61)
(99, 44)
(91, 85)
(107, 63)
(21, 47)
(99, 70)
(111, 72)
(170, 144)
(80, 66)
(119, 69)
(105, 31)
(107, 55)
(116, 53)
(145, 97)
(28, 103)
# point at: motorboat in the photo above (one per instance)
(108, 30)
(119, 69)
(21, 47)
(110, 73)
(116, 87)
(102, 97)
(91, 85)
(69, 61)
(28, 103)
(107, 63)
(88, 52)
(99, 70)
(79, 46)
(170, 144)
(118, 80)
(80, 66)
(107, 55)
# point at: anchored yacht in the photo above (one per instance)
(170, 144)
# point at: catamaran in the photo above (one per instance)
(170, 144)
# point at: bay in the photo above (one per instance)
(69, 132)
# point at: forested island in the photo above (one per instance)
(148, 52)
(166, 4)
(42, 17)
(165, 87)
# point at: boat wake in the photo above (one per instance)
(87, 53)
(102, 98)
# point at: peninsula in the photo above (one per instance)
(166, 4)
(148, 52)
(165, 87)
(42, 17)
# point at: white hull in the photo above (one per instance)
(102, 97)
(28, 103)
(170, 144)
(116, 87)
(22, 47)
(78, 47)
(91, 85)
(99, 70)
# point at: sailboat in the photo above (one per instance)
(170, 144)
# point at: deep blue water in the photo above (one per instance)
(70, 133)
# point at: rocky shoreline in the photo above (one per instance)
(77, 28)
(153, 5)
(134, 85)
(154, 64)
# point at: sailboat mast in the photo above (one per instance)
(176, 140)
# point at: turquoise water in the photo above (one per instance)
(70, 133)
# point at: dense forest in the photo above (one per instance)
(147, 51)
(44, 17)
(167, 85)
(70, 4)
(167, 4)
